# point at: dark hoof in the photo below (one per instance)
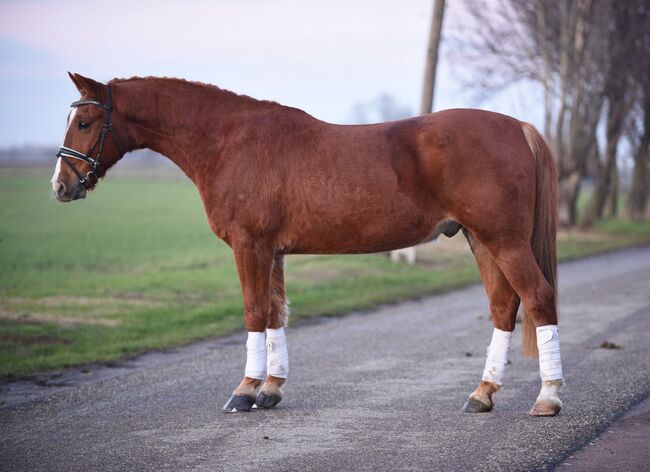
(239, 403)
(267, 400)
(472, 405)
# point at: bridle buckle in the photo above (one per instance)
(92, 178)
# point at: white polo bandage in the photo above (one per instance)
(256, 355)
(548, 345)
(277, 356)
(497, 357)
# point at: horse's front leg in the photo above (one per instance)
(254, 258)
(276, 345)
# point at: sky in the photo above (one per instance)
(321, 56)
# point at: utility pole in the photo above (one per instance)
(429, 84)
(428, 88)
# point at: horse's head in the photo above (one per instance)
(90, 146)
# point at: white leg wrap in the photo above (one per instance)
(276, 353)
(548, 345)
(497, 357)
(255, 356)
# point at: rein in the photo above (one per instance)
(66, 153)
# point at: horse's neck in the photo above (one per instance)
(171, 118)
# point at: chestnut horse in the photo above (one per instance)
(276, 181)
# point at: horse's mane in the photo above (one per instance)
(224, 93)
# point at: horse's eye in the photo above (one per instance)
(83, 125)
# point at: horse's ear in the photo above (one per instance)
(74, 79)
(87, 87)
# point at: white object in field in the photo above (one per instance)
(276, 353)
(497, 357)
(256, 355)
(408, 254)
(548, 345)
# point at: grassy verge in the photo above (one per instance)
(135, 267)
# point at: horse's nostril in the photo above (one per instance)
(59, 189)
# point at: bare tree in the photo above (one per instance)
(638, 195)
(625, 27)
(560, 45)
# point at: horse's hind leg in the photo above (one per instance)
(504, 303)
(276, 347)
(522, 271)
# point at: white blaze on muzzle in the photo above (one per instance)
(255, 355)
(276, 353)
(548, 345)
(57, 171)
(497, 357)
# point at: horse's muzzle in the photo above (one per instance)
(79, 193)
(64, 193)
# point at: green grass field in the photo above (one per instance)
(135, 267)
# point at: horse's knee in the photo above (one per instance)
(504, 314)
(255, 319)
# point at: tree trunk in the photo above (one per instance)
(638, 197)
(603, 184)
(568, 191)
(432, 57)
(579, 110)
(612, 200)
(547, 79)
(623, 74)
(619, 101)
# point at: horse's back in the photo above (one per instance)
(391, 184)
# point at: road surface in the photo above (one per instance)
(370, 391)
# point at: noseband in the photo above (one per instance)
(66, 153)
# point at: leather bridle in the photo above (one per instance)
(66, 153)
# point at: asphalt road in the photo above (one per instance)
(370, 391)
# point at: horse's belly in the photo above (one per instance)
(374, 229)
